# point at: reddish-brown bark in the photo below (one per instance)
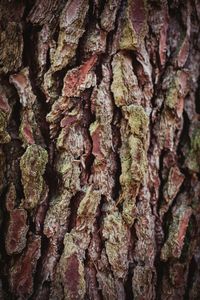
(99, 149)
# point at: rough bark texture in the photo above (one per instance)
(100, 149)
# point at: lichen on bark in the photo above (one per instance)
(32, 165)
(99, 149)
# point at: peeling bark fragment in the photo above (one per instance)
(55, 224)
(29, 130)
(23, 85)
(79, 79)
(50, 86)
(4, 136)
(145, 247)
(125, 84)
(105, 278)
(177, 90)
(134, 25)
(175, 280)
(171, 117)
(48, 262)
(43, 46)
(16, 232)
(91, 282)
(137, 121)
(177, 230)
(70, 270)
(95, 40)
(133, 157)
(142, 283)
(73, 146)
(171, 188)
(11, 47)
(108, 15)
(104, 166)
(28, 127)
(5, 111)
(75, 82)
(70, 281)
(116, 235)
(11, 198)
(44, 12)
(94, 252)
(193, 161)
(138, 162)
(32, 165)
(163, 33)
(177, 274)
(144, 75)
(71, 25)
(87, 210)
(158, 20)
(41, 210)
(144, 276)
(128, 96)
(183, 52)
(22, 272)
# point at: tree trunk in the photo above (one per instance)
(100, 149)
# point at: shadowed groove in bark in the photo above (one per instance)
(104, 243)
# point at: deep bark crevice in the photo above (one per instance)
(134, 64)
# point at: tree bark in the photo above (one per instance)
(100, 149)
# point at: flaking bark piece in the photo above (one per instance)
(193, 159)
(171, 188)
(70, 281)
(138, 121)
(22, 83)
(104, 165)
(105, 278)
(133, 25)
(87, 210)
(71, 29)
(79, 79)
(176, 86)
(32, 165)
(23, 269)
(125, 83)
(95, 40)
(44, 12)
(5, 111)
(133, 155)
(108, 15)
(142, 283)
(29, 129)
(11, 47)
(70, 270)
(11, 198)
(116, 236)
(75, 82)
(177, 231)
(15, 240)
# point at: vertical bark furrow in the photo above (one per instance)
(99, 149)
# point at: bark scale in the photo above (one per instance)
(99, 149)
